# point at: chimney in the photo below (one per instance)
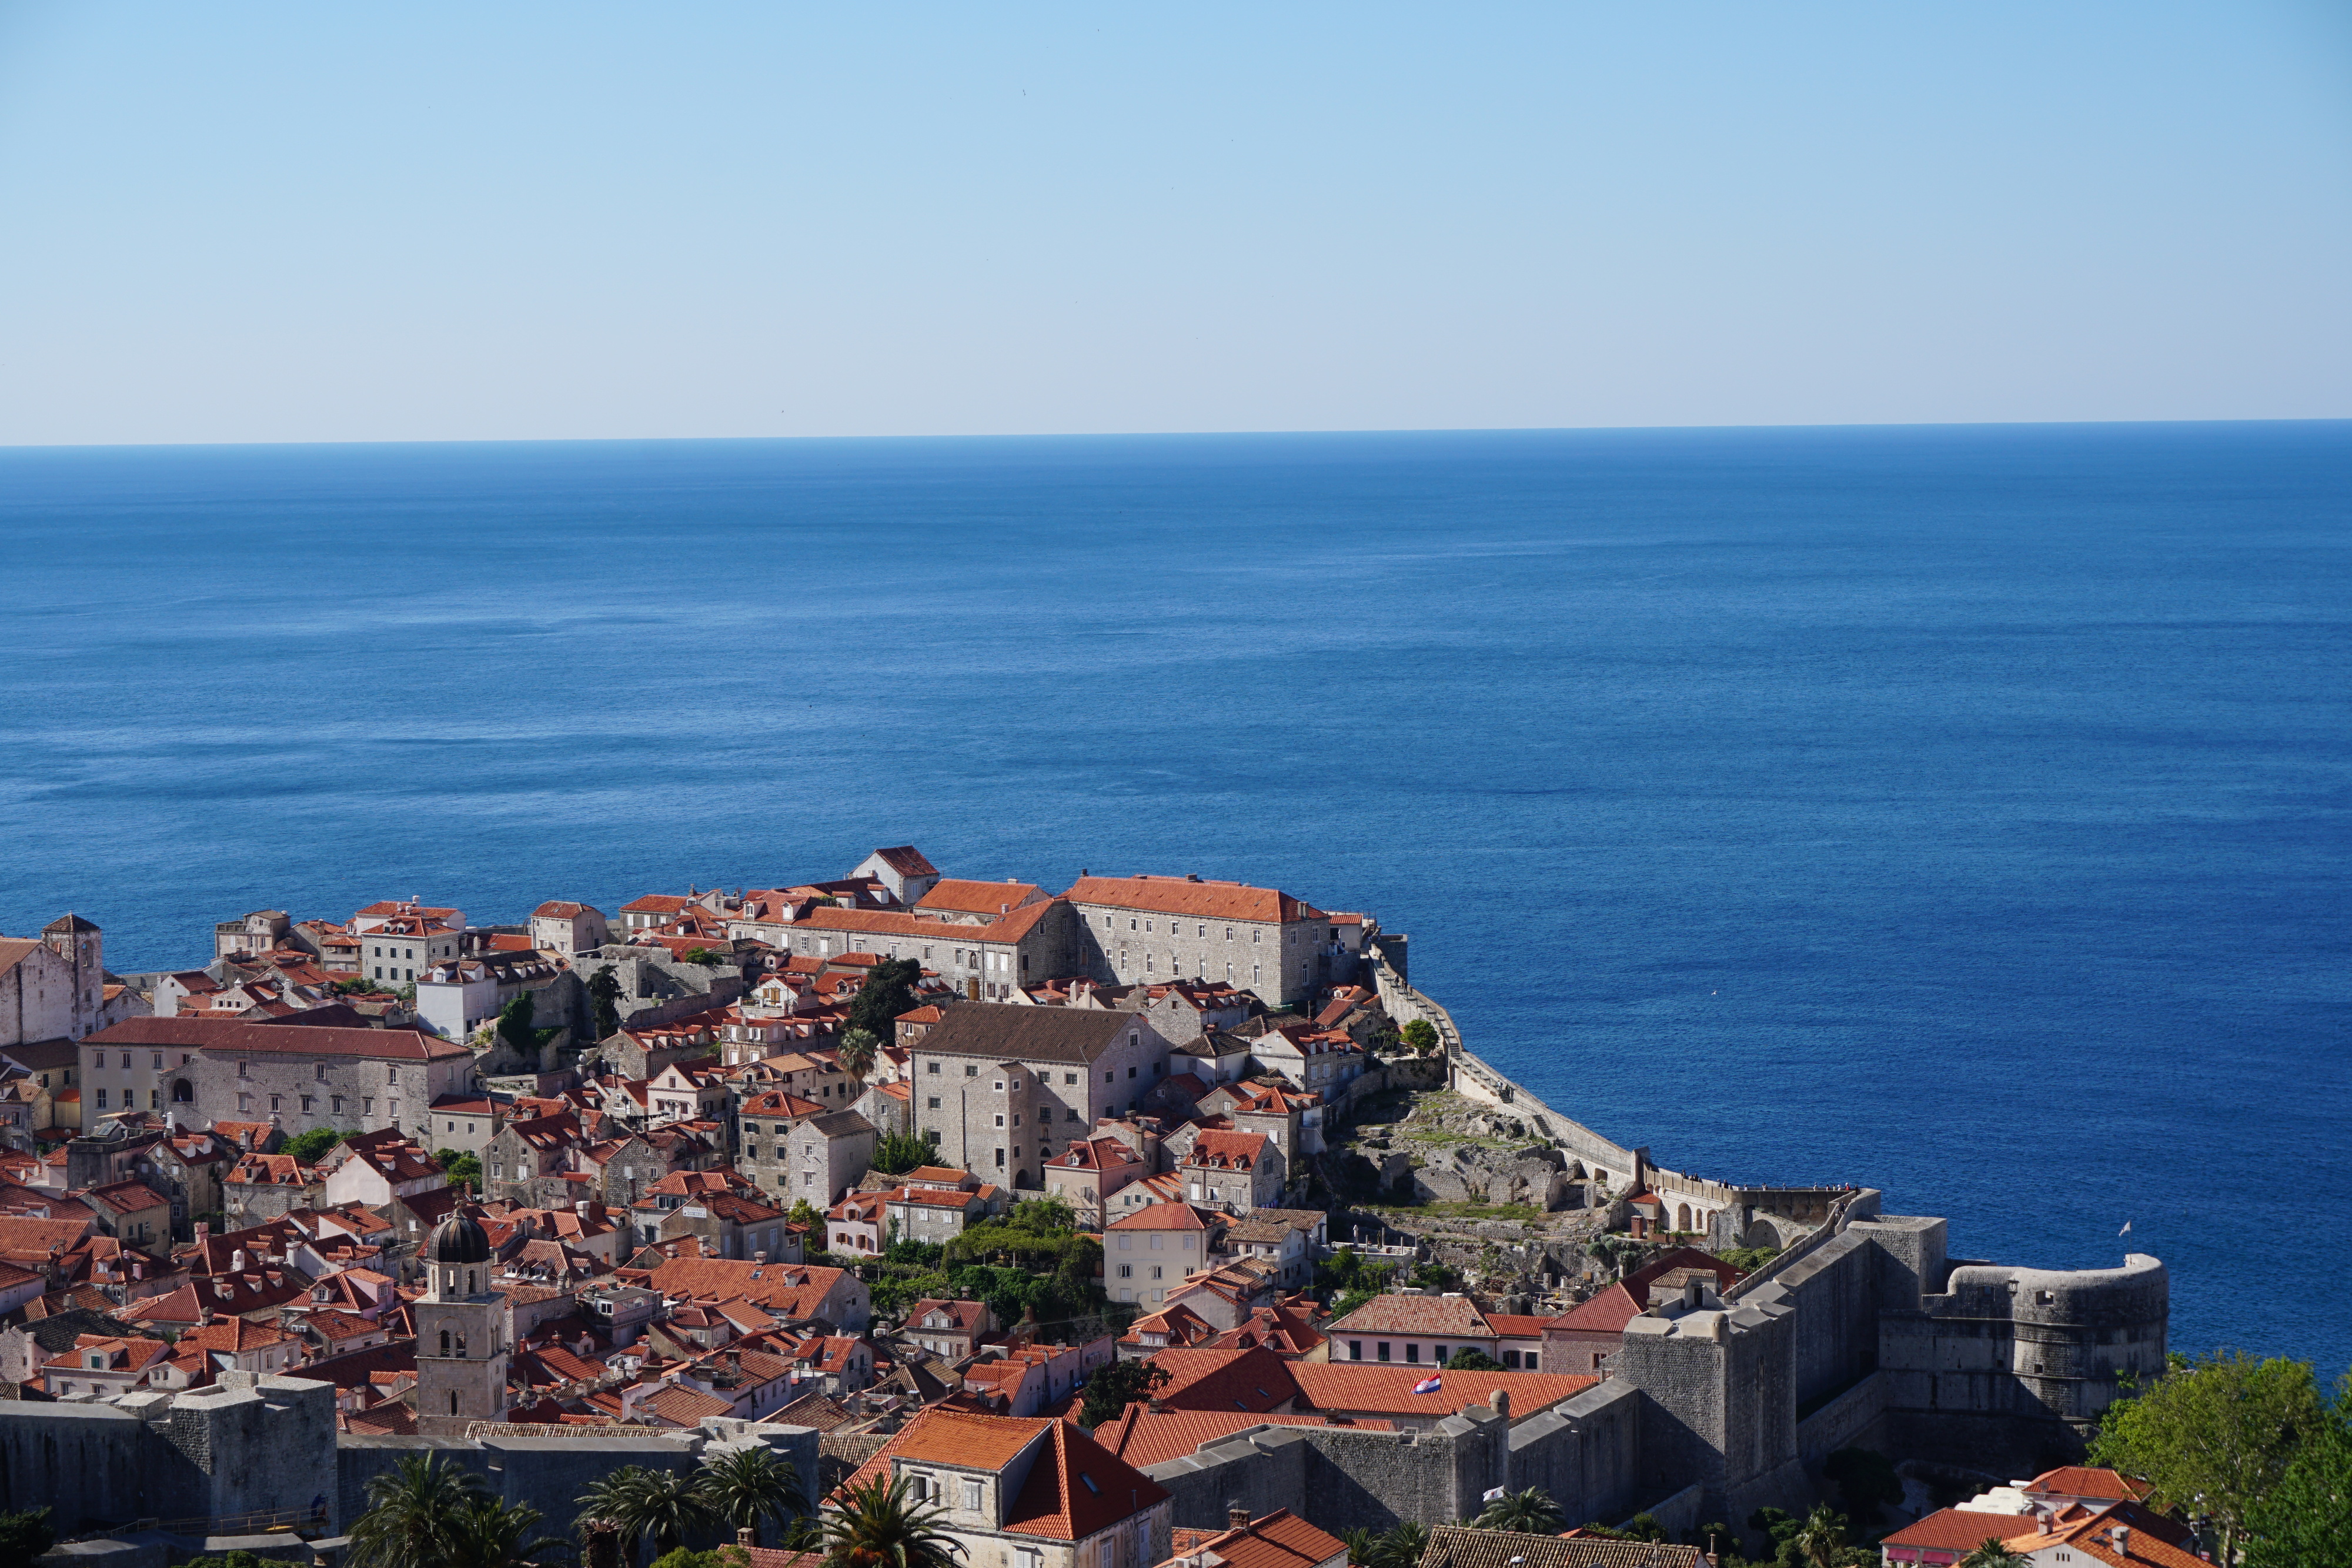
(2123, 1540)
(746, 1537)
(1237, 1517)
(236, 1261)
(204, 1229)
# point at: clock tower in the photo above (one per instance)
(461, 1345)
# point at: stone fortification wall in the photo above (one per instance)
(2016, 1365)
(245, 1445)
(550, 1473)
(1723, 1385)
(1856, 1418)
(1607, 1161)
(1586, 1452)
(1340, 1479)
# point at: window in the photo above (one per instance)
(933, 1069)
(972, 1494)
(1355, 1350)
(245, 1070)
(933, 1103)
(336, 1102)
(159, 1061)
(971, 1069)
(1000, 1157)
(1067, 1116)
(1068, 1077)
(102, 1099)
(1412, 1352)
(1126, 1271)
(1380, 1349)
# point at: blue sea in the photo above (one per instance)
(1961, 812)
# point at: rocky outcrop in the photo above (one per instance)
(1536, 1176)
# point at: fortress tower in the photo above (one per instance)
(461, 1349)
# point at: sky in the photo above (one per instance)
(233, 222)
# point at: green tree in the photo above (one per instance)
(1747, 1260)
(2214, 1436)
(1386, 1037)
(1112, 1388)
(889, 991)
(897, 1153)
(2306, 1519)
(663, 1505)
(750, 1485)
(1992, 1553)
(25, 1535)
(1470, 1359)
(461, 1169)
(308, 1148)
(1821, 1540)
(1361, 1544)
(515, 1029)
(1531, 1512)
(806, 1213)
(1866, 1482)
(1402, 1547)
(858, 1046)
(1421, 1034)
(605, 990)
(706, 957)
(1435, 1277)
(412, 1515)
(488, 1533)
(878, 1525)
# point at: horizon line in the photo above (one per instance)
(1175, 435)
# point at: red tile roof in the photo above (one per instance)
(1958, 1530)
(1144, 1437)
(2083, 1480)
(1388, 1390)
(293, 1039)
(1279, 1540)
(1447, 1317)
(1182, 895)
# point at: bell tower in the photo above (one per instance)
(461, 1348)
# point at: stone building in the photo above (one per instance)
(656, 988)
(1088, 1172)
(826, 1156)
(1234, 1172)
(399, 940)
(1027, 943)
(569, 929)
(1001, 1088)
(293, 1075)
(1155, 929)
(53, 986)
(902, 869)
(455, 997)
(461, 1348)
(1027, 1492)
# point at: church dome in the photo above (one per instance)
(458, 1240)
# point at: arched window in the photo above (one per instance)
(1682, 1217)
(445, 1341)
(461, 1345)
(453, 1402)
(473, 1281)
(181, 1094)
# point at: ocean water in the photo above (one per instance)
(1959, 811)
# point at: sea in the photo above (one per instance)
(1960, 811)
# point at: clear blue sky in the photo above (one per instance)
(241, 222)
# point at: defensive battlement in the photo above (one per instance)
(2135, 1294)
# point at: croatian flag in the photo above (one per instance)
(1429, 1385)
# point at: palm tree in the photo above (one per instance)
(1822, 1542)
(1531, 1512)
(879, 1525)
(1360, 1543)
(857, 1051)
(1401, 1547)
(663, 1504)
(749, 1484)
(412, 1515)
(1993, 1553)
(487, 1533)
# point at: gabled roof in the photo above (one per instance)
(1959, 1529)
(2084, 1480)
(286, 1039)
(1279, 1539)
(905, 859)
(1607, 1312)
(1388, 1390)
(1189, 896)
(1253, 1381)
(1010, 1031)
(989, 898)
(1451, 1317)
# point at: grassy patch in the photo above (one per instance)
(1520, 1212)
